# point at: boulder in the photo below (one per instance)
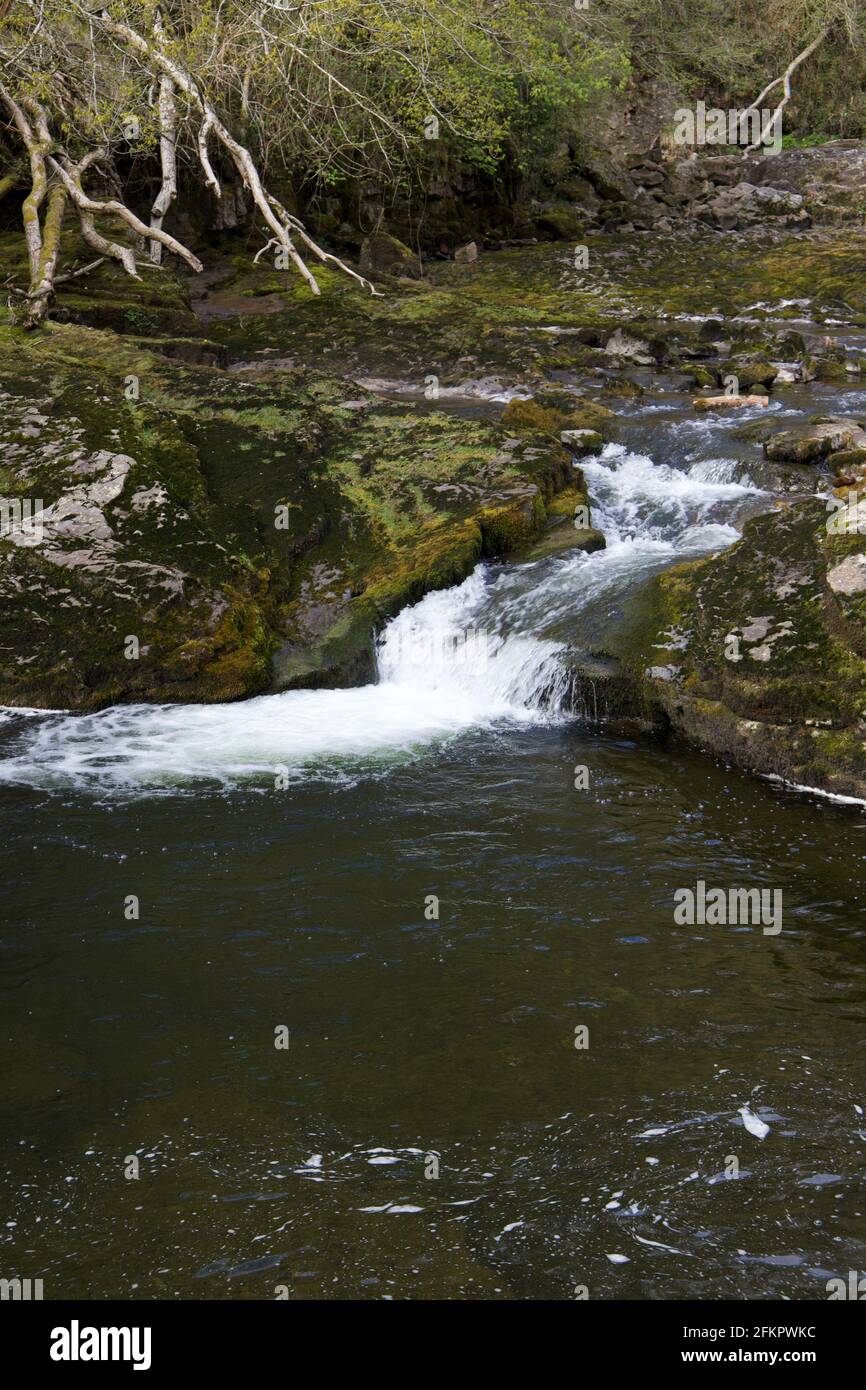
(826, 365)
(383, 254)
(830, 177)
(849, 463)
(579, 194)
(633, 349)
(687, 181)
(560, 222)
(467, 254)
(700, 375)
(722, 169)
(814, 441)
(762, 649)
(582, 442)
(552, 412)
(747, 203)
(751, 374)
(621, 386)
(610, 182)
(849, 576)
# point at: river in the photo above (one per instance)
(425, 887)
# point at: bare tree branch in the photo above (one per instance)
(281, 223)
(168, 162)
(785, 80)
(91, 205)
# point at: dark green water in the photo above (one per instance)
(412, 1036)
(307, 1169)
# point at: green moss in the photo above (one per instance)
(769, 666)
(552, 412)
(262, 530)
(507, 529)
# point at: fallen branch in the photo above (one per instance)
(60, 279)
(91, 205)
(785, 80)
(77, 274)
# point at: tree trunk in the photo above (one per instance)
(168, 160)
(42, 285)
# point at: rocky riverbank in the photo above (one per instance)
(201, 534)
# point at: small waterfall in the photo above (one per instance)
(485, 653)
(452, 644)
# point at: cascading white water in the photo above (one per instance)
(469, 657)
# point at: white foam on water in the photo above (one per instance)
(439, 675)
(840, 798)
(463, 658)
(635, 498)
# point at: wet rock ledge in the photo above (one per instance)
(207, 535)
(757, 655)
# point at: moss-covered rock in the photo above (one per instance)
(207, 535)
(700, 375)
(622, 386)
(815, 440)
(554, 412)
(567, 524)
(383, 254)
(759, 654)
(561, 222)
(751, 374)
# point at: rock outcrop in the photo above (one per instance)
(746, 204)
(823, 437)
(383, 254)
(197, 534)
(759, 654)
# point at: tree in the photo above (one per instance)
(326, 90)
